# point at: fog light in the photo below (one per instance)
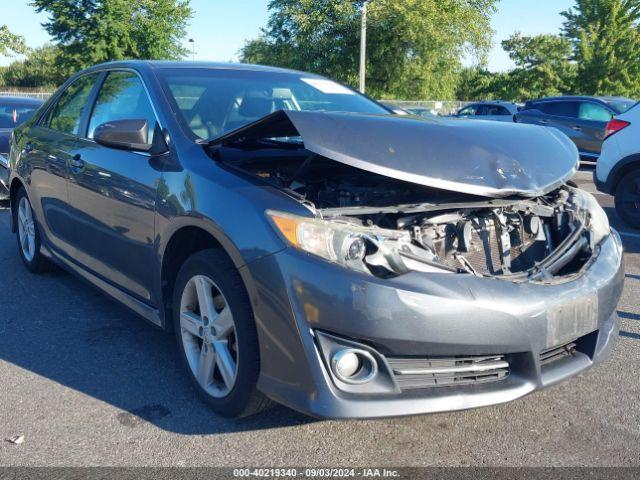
(346, 363)
(353, 366)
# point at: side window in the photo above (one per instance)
(497, 110)
(66, 115)
(122, 97)
(561, 109)
(469, 110)
(595, 112)
(482, 110)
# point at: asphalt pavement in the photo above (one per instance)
(85, 382)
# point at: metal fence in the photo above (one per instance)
(444, 107)
(26, 93)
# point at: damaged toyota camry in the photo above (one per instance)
(308, 247)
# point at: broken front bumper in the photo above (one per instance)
(431, 319)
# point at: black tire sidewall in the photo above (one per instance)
(633, 221)
(216, 265)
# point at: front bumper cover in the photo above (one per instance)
(295, 294)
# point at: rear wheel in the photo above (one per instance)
(28, 235)
(627, 198)
(216, 334)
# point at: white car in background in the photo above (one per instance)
(618, 168)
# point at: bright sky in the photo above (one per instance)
(220, 27)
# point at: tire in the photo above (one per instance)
(214, 324)
(28, 235)
(627, 198)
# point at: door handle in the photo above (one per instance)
(543, 122)
(577, 128)
(77, 164)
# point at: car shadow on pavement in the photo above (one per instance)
(60, 328)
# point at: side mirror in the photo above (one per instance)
(123, 134)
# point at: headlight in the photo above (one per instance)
(336, 241)
(598, 221)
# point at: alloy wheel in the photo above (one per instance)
(26, 229)
(208, 335)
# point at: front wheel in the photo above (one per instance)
(627, 198)
(216, 334)
(28, 235)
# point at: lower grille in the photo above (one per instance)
(557, 353)
(414, 373)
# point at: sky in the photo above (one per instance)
(221, 27)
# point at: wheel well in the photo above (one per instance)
(13, 191)
(184, 243)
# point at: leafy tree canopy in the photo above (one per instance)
(606, 39)
(93, 31)
(414, 47)
(11, 43)
(40, 69)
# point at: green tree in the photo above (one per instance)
(93, 31)
(606, 39)
(414, 47)
(477, 83)
(11, 43)
(543, 66)
(39, 69)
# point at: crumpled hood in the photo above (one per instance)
(492, 159)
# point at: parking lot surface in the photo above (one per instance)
(88, 383)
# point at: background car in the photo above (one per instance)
(491, 110)
(618, 169)
(582, 119)
(13, 112)
(422, 112)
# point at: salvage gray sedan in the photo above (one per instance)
(308, 247)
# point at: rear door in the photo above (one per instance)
(563, 115)
(592, 122)
(113, 192)
(51, 144)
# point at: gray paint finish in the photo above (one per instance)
(488, 159)
(133, 213)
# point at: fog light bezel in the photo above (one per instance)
(381, 382)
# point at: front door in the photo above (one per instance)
(113, 193)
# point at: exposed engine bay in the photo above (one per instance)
(388, 227)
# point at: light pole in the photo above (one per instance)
(193, 48)
(363, 45)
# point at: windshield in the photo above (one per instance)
(621, 105)
(13, 115)
(213, 101)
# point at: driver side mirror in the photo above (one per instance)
(124, 134)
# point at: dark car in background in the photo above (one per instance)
(582, 119)
(489, 110)
(14, 111)
(307, 246)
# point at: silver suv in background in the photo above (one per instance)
(494, 110)
(582, 119)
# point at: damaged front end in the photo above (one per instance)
(553, 236)
(499, 216)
